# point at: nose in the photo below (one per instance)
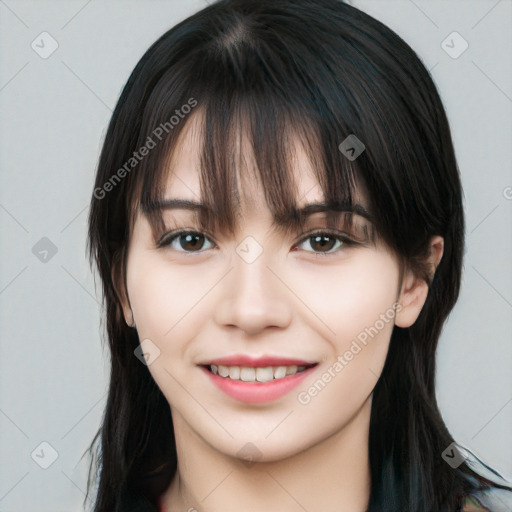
(254, 297)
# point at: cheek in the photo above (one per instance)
(169, 304)
(350, 298)
(355, 301)
(163, 297)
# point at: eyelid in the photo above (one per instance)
(345, 238)
(167, 238)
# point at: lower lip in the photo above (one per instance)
(257, 392)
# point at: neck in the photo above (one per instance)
(330, 476)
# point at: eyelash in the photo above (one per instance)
(168, 238)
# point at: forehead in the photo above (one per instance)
(183, 177)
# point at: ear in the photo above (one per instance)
(414, 290)
(118, 283)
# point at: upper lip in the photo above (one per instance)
(257, 361)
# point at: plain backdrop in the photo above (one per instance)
(54, 112)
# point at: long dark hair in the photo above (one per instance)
(275, 70)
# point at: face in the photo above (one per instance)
(309, 318)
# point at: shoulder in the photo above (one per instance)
(472, 504)
(491, 500)
(486, 499)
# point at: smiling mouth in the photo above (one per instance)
(256, 374)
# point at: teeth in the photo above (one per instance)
(223, 370)
(247, 374)
(264, 374)
(234, 372)
(290, 370)
(280, 372)
(260, 374)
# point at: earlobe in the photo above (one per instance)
(414, 289)
(412, 298)
(128, 316)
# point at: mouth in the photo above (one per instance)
(253, 380)
(256, 374)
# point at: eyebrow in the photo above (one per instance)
(306, 210)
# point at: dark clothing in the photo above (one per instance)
(137, 503)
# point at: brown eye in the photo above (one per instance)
(184, 241)
(193, 241)
(324, 242)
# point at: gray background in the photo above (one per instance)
(54, 113)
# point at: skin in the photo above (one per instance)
(310, 456)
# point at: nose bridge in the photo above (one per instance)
(254, 298)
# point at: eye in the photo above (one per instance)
(184, 241)
(322, 242)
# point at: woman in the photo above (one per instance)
(278, 226)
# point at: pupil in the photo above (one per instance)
(196, 241)
(323, 241)
(192, 239)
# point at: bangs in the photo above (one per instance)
(246, 118)
(255, 89)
